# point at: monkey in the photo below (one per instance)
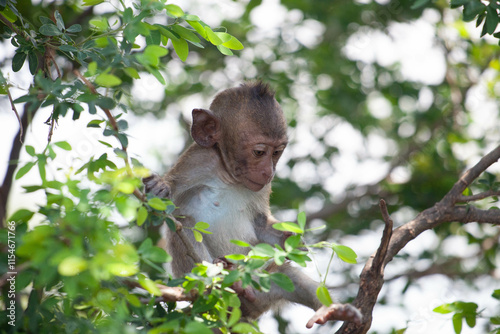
(224, 179)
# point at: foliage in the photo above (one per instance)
(468, 311)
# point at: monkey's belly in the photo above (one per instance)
(227, 209)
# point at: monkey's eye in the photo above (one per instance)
(277, 153)
(258, 153)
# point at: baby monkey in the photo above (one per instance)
(224, 179)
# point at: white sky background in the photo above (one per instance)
(409, 44)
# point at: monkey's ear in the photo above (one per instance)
(206, 128)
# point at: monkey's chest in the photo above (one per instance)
(227, 209)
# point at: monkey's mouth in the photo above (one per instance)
(254, 186)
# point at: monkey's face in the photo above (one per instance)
(256, 159)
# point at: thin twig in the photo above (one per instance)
(17, 115)
(478, 197)
(11, 26)
(378, 261)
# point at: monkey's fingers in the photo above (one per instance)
(344, 312)
(155, 185)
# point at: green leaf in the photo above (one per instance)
(64, 145)
(212, 37)
(194, 327)
(458, 3)
(59, 20)
(67, 48)
(235, 257)
(467, 192)
(142, 215)
(198, 27)
(292, 242)
(125, 187)
(243, 327)
(190, 17)
(106, 102)
(198, 236)
(283, 281)
(301, 220)
(419, 3)
(108, 80)
(50, 30)
(30, 150)
(149, 285)
(324, 295)
(21, 215)
(157, 203)
(444, 309)
(345, 253)
(156, 51)
(25, 169)
(470, 319)
(235, 317)
(457, 323)
(496, 294)
(240, 243)
(92, 68)
(157, 75)
(18, 61)
(201, 226)
(185, 33)
(33, 62)
(233, 44)
(131, 72)
(72, 265)
(74, 28)
(491, 20)
(472, 9)
(92, 2)
(289, 227)
(230, 278)
(263, 250)
(181, 48)
(175, 10)
(100, 24)
(225, 51)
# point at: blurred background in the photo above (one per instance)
(383, 100)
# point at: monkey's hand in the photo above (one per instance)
(247, 292)
(156, 185)
(344, 312)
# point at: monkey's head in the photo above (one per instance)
(247, 127)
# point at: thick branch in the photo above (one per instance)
(17, 144)
(371, 280)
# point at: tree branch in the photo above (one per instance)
(477, 197)
(371, 278)
(17, 144)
